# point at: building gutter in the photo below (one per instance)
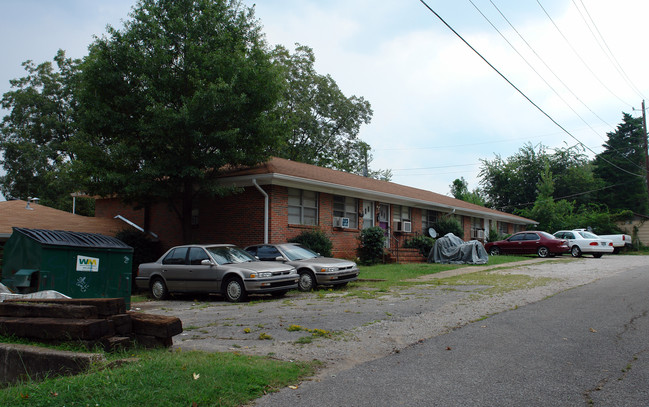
(260, 189)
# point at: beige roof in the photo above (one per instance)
(14, 213)
(295, 171)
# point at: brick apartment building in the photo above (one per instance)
(280, 199)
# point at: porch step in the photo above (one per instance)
(403, 255)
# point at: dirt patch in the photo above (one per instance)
(342, 330)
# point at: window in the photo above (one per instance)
(197, 255)
(428, 220)
(176, 256)
(346, 207)
(268, 253)
(400, 213)
(502, 228)
(302, 207)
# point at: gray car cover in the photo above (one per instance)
(450, 249)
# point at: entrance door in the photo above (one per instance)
(383, 220)
(368, 214)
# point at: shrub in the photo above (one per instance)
(449, 225)
(371, 245)
(315, 240)
(493, 236)
(421, 242)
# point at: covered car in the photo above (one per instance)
(313, 269)
(450, 249)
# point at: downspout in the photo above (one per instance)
(254, 182)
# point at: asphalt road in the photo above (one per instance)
(588, 346)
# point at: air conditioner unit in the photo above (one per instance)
(341, 222)
(480, 234)
(404, 227)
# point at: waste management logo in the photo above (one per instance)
(87, 264)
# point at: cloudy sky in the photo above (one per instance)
(439, 108)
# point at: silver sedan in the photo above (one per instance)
(224, 269)
(313, 269)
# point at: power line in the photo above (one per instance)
(543, 79)
(599, 38)
(518, 90)
(580, 57)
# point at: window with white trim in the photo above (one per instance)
(346, 207)
(302, 207)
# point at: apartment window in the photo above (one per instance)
(346, 207)
(302, 207)
(400, 213)
(502, 228)
(428, 220)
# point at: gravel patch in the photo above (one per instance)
(358, 329)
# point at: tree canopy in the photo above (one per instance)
(320, 124)
(35, 135)
(185, 88)
(621, 168)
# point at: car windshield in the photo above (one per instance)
(587, 235)
(228, 255)
(295, 252)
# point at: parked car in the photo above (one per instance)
(532, 242)
(221, 268)
(313, 269)
(620, 241)
(581, 241)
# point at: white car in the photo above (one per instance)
(584, 242)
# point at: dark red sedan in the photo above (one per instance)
(534, 242)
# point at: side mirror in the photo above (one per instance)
(207, 262)
(279, 258)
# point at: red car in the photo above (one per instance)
(534, 242)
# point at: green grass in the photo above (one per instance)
(390, 275)
(164, 378)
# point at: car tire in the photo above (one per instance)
(597, 255)
(494, 251)
(234, 291)
(306, 281)
(159, 289)
(543, 252)
(575, 251)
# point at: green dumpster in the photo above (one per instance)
(79, 265)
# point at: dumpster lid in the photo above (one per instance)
(76, 239)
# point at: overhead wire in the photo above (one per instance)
(520, 91)
(580, 57)
(552, 71)
(599, 38)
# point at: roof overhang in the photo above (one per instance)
(365, 194)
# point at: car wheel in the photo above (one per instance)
(234, 290)
(597, 255)
(494, 251)
(306, 282)
(159, 289)
(543, 252)
(278, 294)
(575, 251)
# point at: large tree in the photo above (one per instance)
(621, 168)
(512, 183)
(321, 124)
(35, 134)
(460, 190)
(185, 88)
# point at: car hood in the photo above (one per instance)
(260, 266)
(326, 262)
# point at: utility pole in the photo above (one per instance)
(644, 140)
